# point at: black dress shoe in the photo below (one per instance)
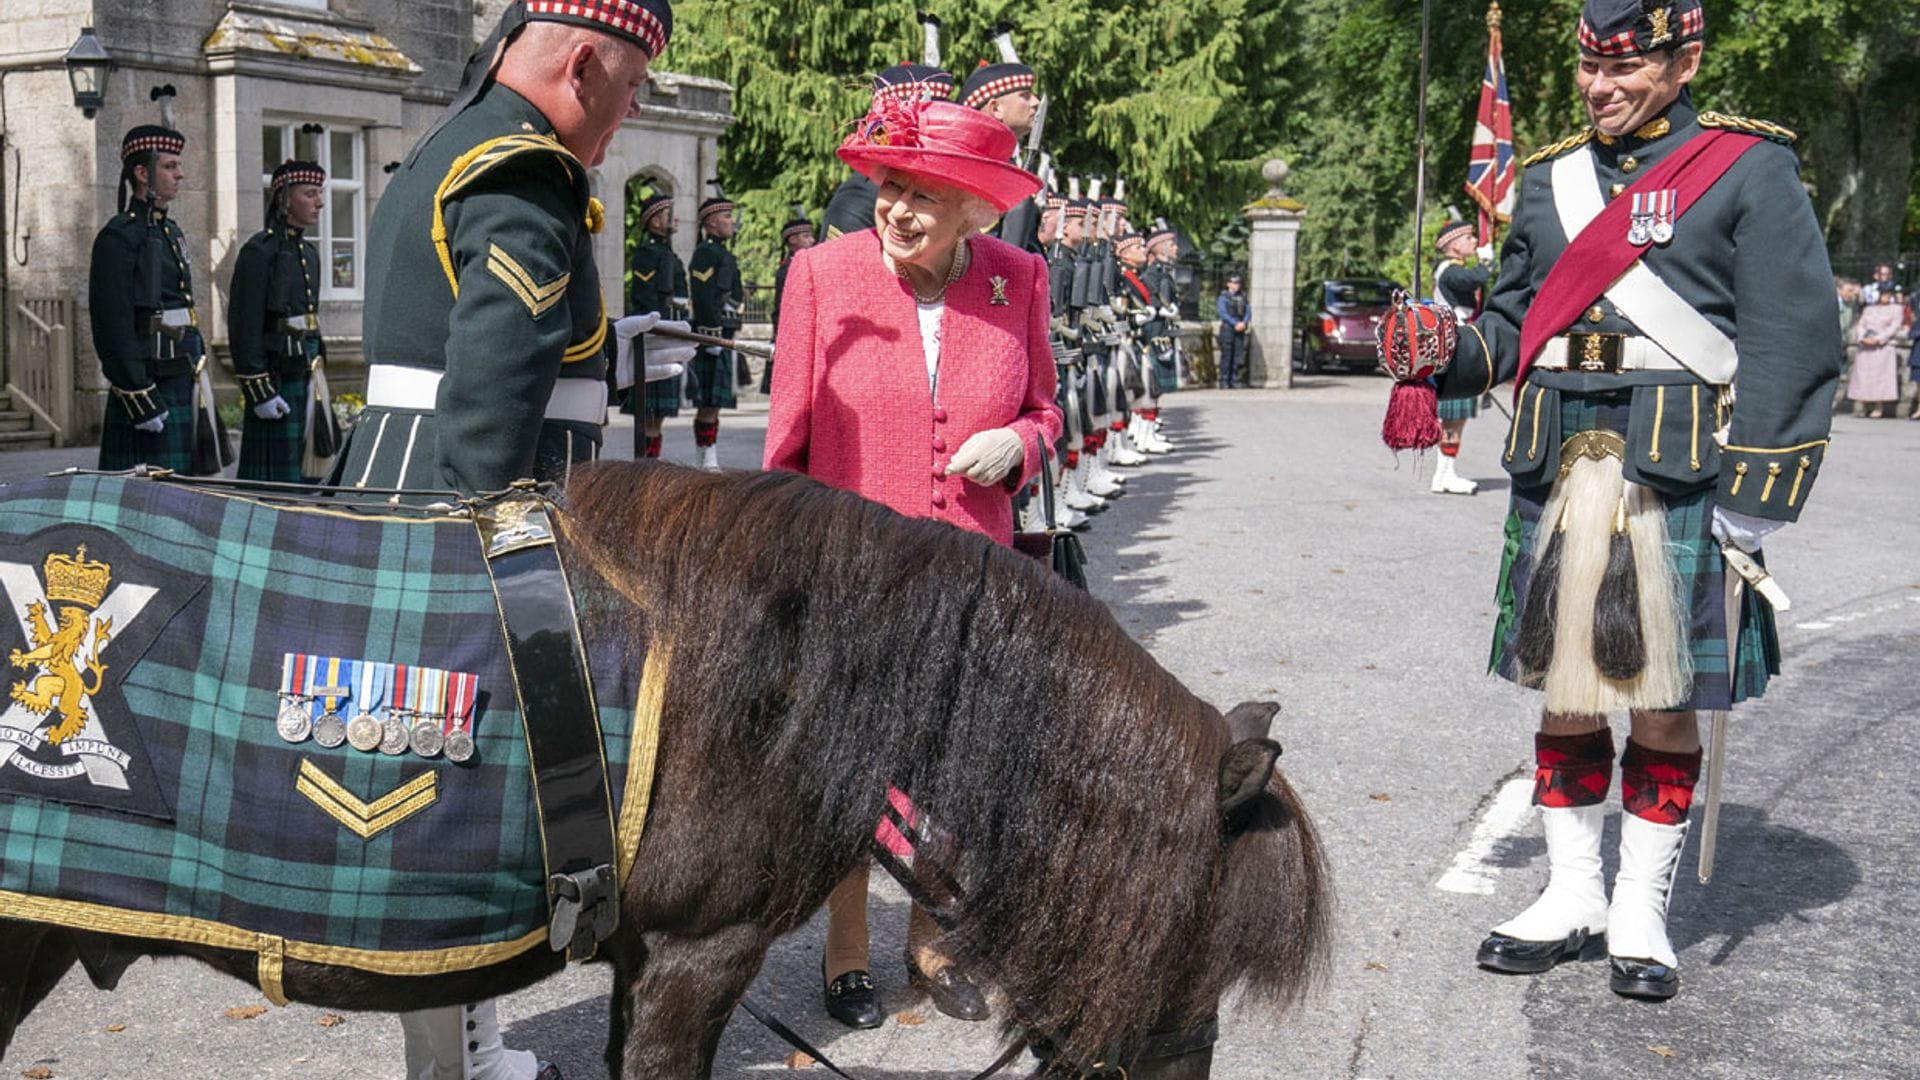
(852, 1000)
(951, 992)
(1649, 980)
(1514, 956)
(547, 1070)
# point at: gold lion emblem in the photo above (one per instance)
(60, 691)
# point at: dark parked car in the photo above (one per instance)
(1336, 321)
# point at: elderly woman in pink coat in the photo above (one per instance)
(915, 370)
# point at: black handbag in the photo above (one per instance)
(1059, 547)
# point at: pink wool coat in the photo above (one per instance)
(851, 406)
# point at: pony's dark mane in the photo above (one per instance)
(838, 647)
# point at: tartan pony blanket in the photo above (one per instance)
(150, 784)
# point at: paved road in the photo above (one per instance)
(1282, 554)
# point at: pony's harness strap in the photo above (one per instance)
(559, 716)
(792, 1038)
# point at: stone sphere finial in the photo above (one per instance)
(1274, 171)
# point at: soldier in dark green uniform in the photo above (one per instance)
(1642, 249)
(273, 325)
(485, 326)
(717, 300)
(1160, 329)
(140, 304)
(795, 236)
(1004, 91)
(850, 209)
(658, 285)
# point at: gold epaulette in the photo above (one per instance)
(1578, 138)
(1763, 128)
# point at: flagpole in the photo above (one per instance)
(1490, 225)
(1420, 152)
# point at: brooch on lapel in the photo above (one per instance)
(999, 297)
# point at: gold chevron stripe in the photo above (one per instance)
(538, 298)
(594, 343)
(648, 276)
(366, 820)
(698, 276)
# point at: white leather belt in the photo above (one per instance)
(1636, 354)
(396, 386)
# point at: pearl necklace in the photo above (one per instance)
(962, 257)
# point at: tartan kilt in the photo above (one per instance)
(1460, 408)
(661, 398)
(123, 447)
(1166, 377)
(711, 376)
(1719, 680)
(271, 449)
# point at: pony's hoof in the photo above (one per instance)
(852, 1000)
(951, 992)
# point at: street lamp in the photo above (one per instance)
(87, 65)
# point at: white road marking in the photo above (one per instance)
(1830, 621)
(1473, 870)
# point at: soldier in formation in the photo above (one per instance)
(717, 298)
(657, 286)
(140, 301)
(795, 236)
(1642, 248)
(273, 328)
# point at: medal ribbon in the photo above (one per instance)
(293, 675)
(397, 688)
(371, 686)
(434, 697)
(460, 706)
(328, 669)
(417, 692)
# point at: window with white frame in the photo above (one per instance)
(341, 232)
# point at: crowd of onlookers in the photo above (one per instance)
(1878, 324)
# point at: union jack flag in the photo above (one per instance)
(1490, 162)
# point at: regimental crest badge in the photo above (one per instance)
(78, 614)
(1661, 17)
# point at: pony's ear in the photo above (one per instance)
(1244, 770)
(1251, 719)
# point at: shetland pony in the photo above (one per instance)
(1124, 858)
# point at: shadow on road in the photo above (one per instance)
(1763, 874)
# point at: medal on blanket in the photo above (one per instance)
(363, 731)
(1662, 214)
(460, 695)
(1640, 221)
(403, 701)
(393, 729)
(429, 733)
(293, 723)
(324, 694)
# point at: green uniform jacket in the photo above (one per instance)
(850, 208)
(479, 266)
(659, 280)
(717, 292)
(1750, 258)
(139, 268)
(276, 277)
(1060, 279)
(1158, 278)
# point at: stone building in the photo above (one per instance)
(350, 83)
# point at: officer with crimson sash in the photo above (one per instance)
(1663, 311)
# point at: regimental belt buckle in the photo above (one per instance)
(1597, 354)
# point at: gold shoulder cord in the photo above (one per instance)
(1578, 138)
(1763, 128)
(472, 165)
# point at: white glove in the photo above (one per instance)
(273, 408)
(1743, 531)
(1143, 317)
(1169, 312)
(153, 425)
(664, 358)
(988, 456)
(1485, 252)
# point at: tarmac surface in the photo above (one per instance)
(1282, 554)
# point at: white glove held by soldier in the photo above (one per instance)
(664, 357)
(153, 425)
(988, 456)
(1485, 252)
(1743, 531)
(1143, 316)
(273, 408)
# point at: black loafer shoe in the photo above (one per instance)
(1516, 957)
(546, 1070)
(852, 1000)
(951, 992)
(1648, 980)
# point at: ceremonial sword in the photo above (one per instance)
(1747, 574)
(751, 348)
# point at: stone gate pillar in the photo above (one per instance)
(1275, 218)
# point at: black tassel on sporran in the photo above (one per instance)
(1619, 647)
(1533, 645)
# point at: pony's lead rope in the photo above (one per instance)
(793, 1039)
